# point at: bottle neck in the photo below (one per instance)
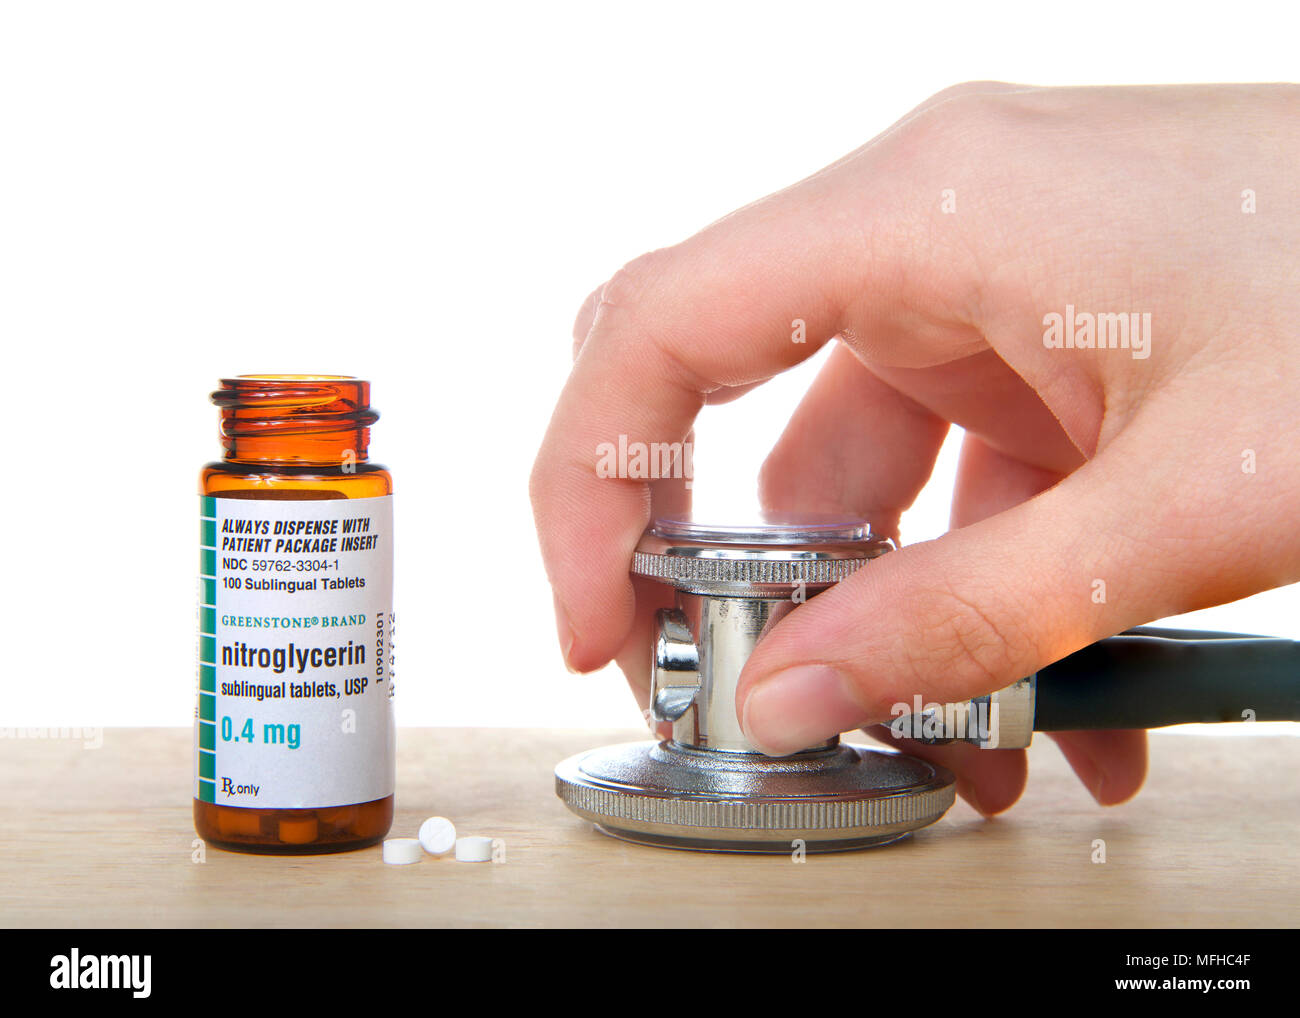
(295, 420)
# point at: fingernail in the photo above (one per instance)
(564, 631)
(798, 708)
(1093, 777)
(969, 793)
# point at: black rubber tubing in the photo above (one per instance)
(1149, 678)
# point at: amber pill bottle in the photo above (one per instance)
(294, 738)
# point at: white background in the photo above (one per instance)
(420, 194)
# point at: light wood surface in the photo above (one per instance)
(102, 837)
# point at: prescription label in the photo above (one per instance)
(295, 670)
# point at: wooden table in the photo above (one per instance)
(102, 837)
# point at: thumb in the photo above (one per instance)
(1125, 539)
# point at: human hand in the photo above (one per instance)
(1169, 473)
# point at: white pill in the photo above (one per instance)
(402, 851)
(438, 835)
(474, 849)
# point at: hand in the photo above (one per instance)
(1164, 476)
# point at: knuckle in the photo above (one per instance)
(586, 317)
(965, 89)
(952, 123)
(628, 287)
(630, 313)
(961, 126)
(617, 306)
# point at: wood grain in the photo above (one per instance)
(102, 837)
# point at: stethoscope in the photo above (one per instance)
(707, 788)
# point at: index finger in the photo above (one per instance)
(749, 297)
(671, 327)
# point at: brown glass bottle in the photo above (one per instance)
(296, 441)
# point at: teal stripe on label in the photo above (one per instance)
(207, 731)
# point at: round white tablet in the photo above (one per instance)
(402, 851)
(438, 835)
(474, 849)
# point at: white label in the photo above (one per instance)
(295, 652)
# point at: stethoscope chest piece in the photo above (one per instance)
(707, 787)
